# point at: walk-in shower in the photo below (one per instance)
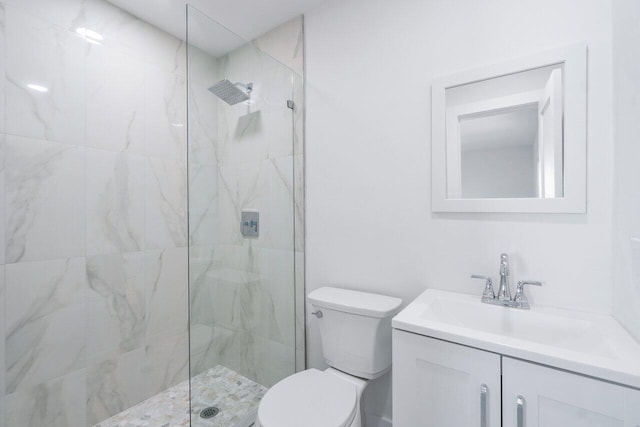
(245, 306)
(232, 93)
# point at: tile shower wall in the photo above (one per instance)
(243, 297)
(93, 257)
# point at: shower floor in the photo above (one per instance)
(237, 398)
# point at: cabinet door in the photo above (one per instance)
(440, 384)
(537, 396)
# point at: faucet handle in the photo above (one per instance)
(488, 287)
(520, 298)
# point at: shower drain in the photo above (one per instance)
(209, 412)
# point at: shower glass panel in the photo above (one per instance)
(241, 223)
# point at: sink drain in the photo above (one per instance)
(209, 412)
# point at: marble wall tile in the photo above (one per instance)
(165, 204)
(115, 202)
(203, 67)
(277, 273)
(66, 14)
(2, 67)
(120, 29)
(42, 54)
(203, 350)
(167, 52)
(117, 80)
(115, 303)
(237, 300)
(298, 115)
(45, 185)
(2, 343)
(167, 362)
(114, 383)
(165, 114)
(285, 44)
(166, 297)
(300, 314)
(201, 285)
(242, 352)
(298, 196)
(2, 198)
(203, 125)
(55, 403)
(203, 204)
(44, 302)
(279, 364)
(281, 208)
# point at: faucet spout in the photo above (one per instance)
(504, 292)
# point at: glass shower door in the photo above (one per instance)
(241, 223)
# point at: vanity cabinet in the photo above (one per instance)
(437, 383)
(440, 384)
(538, 396)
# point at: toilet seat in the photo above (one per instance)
(311, 398)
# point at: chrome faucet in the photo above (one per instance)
(503, 298)
(504, 292)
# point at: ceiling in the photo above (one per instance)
(246, 18)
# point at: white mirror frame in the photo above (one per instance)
(574, 61)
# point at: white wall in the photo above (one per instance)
(626, 66)
(369, 67)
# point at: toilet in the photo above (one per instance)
(355, 328)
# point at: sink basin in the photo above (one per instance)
(544, 328)
(589, 343)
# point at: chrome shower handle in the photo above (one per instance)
(318, 314)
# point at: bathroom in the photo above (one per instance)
(123, 269)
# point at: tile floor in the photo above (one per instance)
(237, 398)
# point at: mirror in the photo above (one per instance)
(512, 137)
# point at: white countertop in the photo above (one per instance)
(586, 343)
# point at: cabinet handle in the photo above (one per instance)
(520, 411)
(484, 391)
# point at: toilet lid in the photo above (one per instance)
(311, 398)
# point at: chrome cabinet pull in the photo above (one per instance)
(520, 411)
(484, 391)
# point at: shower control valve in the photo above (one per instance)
(318, 314)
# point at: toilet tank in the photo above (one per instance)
(355, 329)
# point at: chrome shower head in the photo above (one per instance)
(231, 93)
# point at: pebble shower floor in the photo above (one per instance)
(237, 398)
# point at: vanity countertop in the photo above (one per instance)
(587, 343)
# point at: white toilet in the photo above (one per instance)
(355, 328)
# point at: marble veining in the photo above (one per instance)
(237, 398)
(115, 302)
(165, 204)
(166, 302)
(115, 202)
(54, 403)
(44, 301)
(44, 185)
(40, 53)
(2, 70)
(2, 194)
(114, 383)
(117, 78)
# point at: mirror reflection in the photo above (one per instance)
(505, 136)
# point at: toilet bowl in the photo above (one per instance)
(313, 398)
(355, 328)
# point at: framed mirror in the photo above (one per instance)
(511, 137)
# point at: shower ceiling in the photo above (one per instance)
(247, 18)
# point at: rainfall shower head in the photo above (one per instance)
(231, 93)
